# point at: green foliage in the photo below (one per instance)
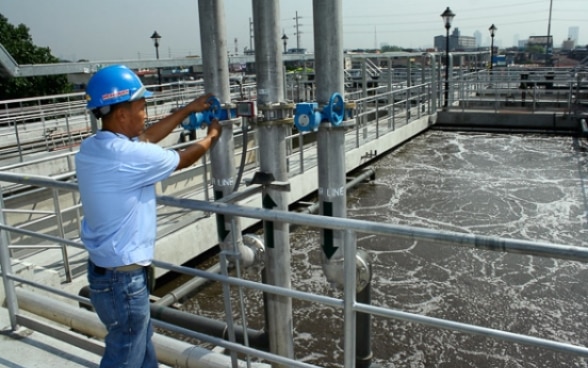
(388, 48)
(535, 49)
(299, 69)
(19, 43)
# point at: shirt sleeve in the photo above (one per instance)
(150, 163)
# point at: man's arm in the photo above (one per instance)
(196, 150)
(165, 126)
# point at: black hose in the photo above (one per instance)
(244, 129)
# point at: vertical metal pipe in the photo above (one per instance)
(272, 149)
(363, 343)
(215, 69)
(328, 41)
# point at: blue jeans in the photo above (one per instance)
(121, 300)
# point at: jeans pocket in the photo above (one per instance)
(137, 286)
(102, 298)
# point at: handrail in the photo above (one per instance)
(351, 226)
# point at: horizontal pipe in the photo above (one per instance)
(207, 326)
(186, 288)
(169, 351)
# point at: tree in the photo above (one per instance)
(388, 48)
(535, 49)
(19, 43)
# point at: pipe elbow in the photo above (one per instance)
(334, 270)
(253, 250)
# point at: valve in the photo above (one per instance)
(204, 118)
(307, 116)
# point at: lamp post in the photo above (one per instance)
(156, 37)
(447, 16)
(492, 30)
(285, 41)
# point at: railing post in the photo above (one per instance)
(350, 287)
(300, 151)
(9, 289)
(377, 116)
(393, 111)
(59, 217)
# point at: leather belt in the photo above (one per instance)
(128, 268)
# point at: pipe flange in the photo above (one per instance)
(364, 269)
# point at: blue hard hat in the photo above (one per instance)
(114, 84)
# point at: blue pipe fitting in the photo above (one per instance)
(205, 118)
(307, 116)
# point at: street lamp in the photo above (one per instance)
(156, 37)
(285, 41)
(492, 30)
(447, 16)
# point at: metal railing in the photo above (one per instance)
(376, 111)
(348, 304)
(533, 90)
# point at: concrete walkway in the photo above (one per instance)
(25, 348)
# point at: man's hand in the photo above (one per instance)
(214, 130)
(200, 103)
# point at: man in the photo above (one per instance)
(117, 169)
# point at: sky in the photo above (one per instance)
(121, 29)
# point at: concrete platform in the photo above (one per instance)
(28, 349)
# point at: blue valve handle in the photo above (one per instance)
(335, 110)
(215, 109)
(204, 118)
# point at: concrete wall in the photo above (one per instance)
(507, 121)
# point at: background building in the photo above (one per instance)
(568, 45)
(574, 33)
(545, 41)
(478, 38)
(457, 42)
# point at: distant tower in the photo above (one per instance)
(250, 34)
(298, 32)
(236, 46)
(478, 38)
(515, 39)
